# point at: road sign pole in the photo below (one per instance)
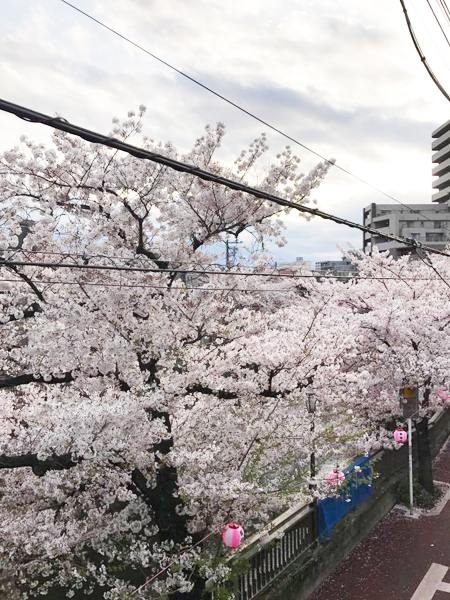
(409, 403)
(411, 497)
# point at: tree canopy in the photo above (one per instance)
(141, 410)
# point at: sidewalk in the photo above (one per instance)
(395, 558)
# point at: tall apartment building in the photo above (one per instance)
(441, 157)
(426, 223)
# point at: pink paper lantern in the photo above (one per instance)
(232, 535)
(443, 395)
(336, 477)
(400, 436)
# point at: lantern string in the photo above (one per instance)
(176, 559)
(172, 562)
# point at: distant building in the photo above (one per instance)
(339, 268)
(426, 223)
(298, 265)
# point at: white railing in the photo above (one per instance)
(271, 552)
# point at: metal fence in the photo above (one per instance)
(269, 556)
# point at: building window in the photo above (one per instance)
(438, 225)
(384, 223)
(417, 236)
(435, 237)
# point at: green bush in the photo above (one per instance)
(422, 498)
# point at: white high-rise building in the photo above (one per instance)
(441, 157)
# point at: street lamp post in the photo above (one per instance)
(311, 408)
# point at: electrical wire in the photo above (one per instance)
(422, 56)
(431, 36)
(428, 262)
(177, 557)
(438, 22)
(129, 259)
(217, 289)
(444, 8)
(97, 138)
(444, 226)
(14, 263)
(147, 286)
(250, 114)
(197, 267)
(69, 254)
(24, 263)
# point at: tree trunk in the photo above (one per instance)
(166, 505)
(424, 455)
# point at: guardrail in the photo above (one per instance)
(271, 553)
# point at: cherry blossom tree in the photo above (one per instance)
(139, 410)
(148, 398)
(403, 320)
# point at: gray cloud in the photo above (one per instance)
(338, 76)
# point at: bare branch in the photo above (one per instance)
(39, 467)
(7, 381)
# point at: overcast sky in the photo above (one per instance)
(341, 76)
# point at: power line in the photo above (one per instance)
(254, 273)
(444, 8)
(146, 286)
(201, 84)
(438, 22)
(430, 35)
(444, 226)
(422, 56)
(97, 138)
(50, 265)
(430, 264)
(141, 259)
(250, 114)
(69, 254)
(217, 289)
(206, 270)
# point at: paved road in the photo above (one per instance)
(402, 558)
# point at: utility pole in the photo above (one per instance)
(410, 461)
(227, 253)
(231, 252)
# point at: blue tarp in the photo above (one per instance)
(331, 510)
